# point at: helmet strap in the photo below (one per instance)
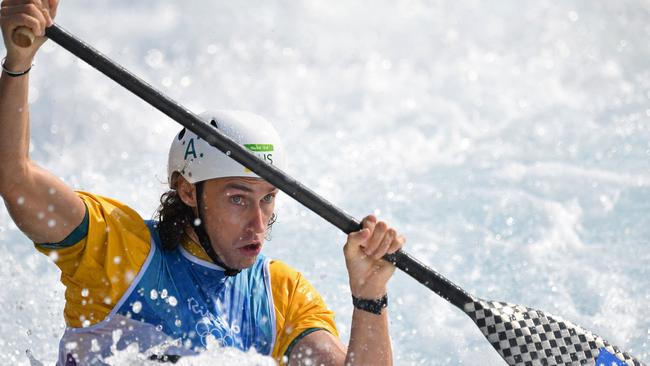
(204, 239)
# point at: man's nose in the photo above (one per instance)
(257, 222)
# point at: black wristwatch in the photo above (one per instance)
(374, 306)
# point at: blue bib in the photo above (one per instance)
(191, 300)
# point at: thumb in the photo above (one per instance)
(51, 6)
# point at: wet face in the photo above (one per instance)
(237, 212)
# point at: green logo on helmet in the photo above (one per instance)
(259, 147)
(262, 151)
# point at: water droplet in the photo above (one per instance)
(172, 301)
(167, 81)
(129, 276)
(94, 345)
(197, 222)
(117, 259)
(154, 58)
(163, 293)
(186, 81)
(20, 200)
(178, 323)
(84, 292)
(153, 294)
(51, 223)
(212, 49)
(117, 334)
(136, 307)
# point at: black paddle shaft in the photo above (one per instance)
(402, 260)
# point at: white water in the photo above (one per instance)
(509, 141)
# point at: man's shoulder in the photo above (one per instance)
(107, 214)
(107, 207)
(107, 203)
(286, 279)
(279, 269)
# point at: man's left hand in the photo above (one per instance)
(363, 251)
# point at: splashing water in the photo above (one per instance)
(213, 355)
(509, 142)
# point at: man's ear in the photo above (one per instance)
(186, 190)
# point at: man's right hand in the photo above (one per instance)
(33, 14)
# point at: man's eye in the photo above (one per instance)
(236, 200)
(268, 198)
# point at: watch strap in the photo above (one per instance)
(374, 306)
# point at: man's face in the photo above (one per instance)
(237, 213)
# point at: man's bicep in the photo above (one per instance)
(43, 207)
(318, 348)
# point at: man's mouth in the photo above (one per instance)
(251, 249)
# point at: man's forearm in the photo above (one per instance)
(369, 339)
(14, 125)
(34, 197)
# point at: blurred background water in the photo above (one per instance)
(508, 141)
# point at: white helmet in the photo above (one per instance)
(196, 160)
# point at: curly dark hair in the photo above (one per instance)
(174, 217)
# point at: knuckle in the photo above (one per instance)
(23, 17)
(369, 220)
(32, 8)
(381, 226)
(387, 240)
(31, 21)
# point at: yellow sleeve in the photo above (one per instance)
(299, 308)
(99, 259)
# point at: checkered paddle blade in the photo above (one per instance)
(527, 337)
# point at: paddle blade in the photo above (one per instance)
(528, 337)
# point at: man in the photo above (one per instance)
(195, 274)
